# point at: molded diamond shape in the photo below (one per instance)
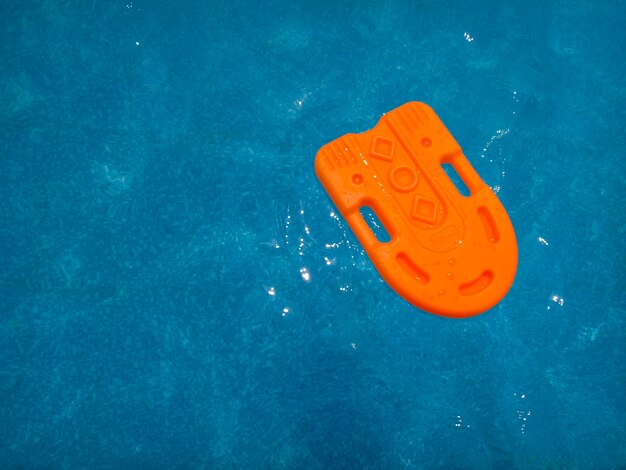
(424, 209)
(383, 148)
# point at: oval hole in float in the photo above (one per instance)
(412, 269)
(375, 224)
(477, 285)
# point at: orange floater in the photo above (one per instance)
(448, 254)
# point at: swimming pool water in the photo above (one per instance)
(177, 291)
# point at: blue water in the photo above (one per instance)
(175, 291)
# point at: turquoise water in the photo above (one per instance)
(176, 290)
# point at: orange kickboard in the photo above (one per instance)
(448, 254)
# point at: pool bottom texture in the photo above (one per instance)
(178, 291)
